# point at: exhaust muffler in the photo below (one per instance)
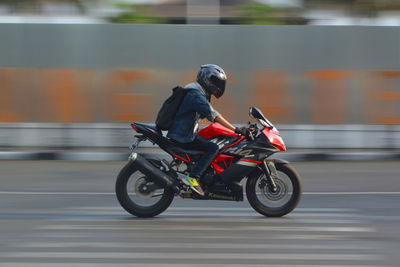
(157, 176)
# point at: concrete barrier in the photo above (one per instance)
(103, 135)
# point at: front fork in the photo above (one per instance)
(271, 174)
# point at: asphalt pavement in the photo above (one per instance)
(65, 213)
(122, 153)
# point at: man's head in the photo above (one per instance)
(213, 79)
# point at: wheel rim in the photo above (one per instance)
(140, 192)
(279, 198)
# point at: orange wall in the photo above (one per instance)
(323, 96)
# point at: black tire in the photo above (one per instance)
(121, 189)
(290, 174)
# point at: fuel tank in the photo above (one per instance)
(216, 129)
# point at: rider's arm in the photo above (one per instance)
(221, 120)
(200, 104)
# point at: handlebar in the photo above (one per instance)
(253, 129)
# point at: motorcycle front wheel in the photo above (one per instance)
(138, 195)
(280, 202)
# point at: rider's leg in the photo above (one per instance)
(210, 150)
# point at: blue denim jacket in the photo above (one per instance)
(193, 108)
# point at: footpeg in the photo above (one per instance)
(185, 195)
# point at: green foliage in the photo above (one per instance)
(260, 14)
(136, 14)
(21, 5)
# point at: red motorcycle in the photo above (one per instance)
(147, 184)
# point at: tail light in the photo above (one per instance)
(134, 127)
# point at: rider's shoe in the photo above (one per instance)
(194, 185)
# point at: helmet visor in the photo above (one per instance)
(219, 84)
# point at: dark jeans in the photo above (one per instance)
(210, 150)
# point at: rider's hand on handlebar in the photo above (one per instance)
(242, 131)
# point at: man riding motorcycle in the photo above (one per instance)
(147, 185)
(211, 80)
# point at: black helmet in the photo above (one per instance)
(213, 79)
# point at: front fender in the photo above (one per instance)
(258, 171)
(278, 161)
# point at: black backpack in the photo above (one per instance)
(167, 113)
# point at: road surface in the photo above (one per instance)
(64, 213)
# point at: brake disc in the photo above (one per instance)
(281, 191)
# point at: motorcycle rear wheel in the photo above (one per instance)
(130, 190)
(279, 203)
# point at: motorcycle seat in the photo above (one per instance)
(170, 145)
(176, 149)
(148, 125)
(179, 150)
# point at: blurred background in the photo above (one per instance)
(256, 12)
(74, 73)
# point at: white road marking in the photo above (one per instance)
(180, 245)
(219, 214)
(294, 214)
(52, 193)
(219, 209)
(351, 193)
(29, 264)
(191, 256)
(194, 228)
(322, 217)
(190, 236)
(201, 218)
(111, 193)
